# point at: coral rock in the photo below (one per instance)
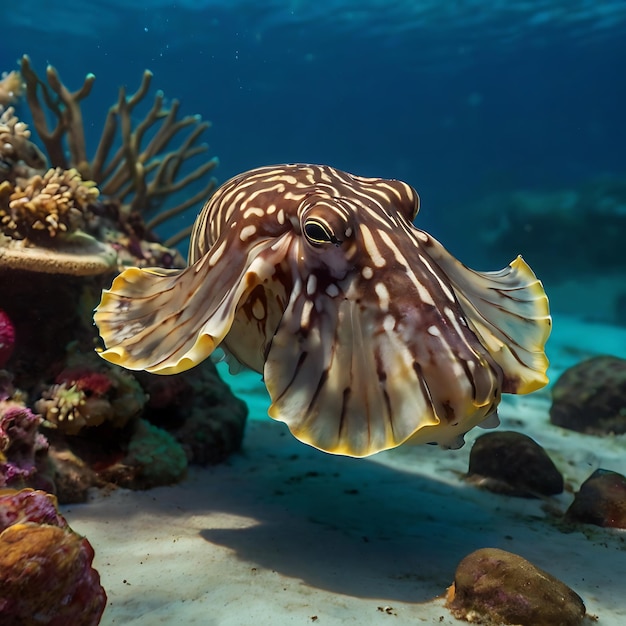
(492, 586)
(76, 254)
(88, 397)
(600, 501)
(214, 426)
(154, 458)
(591, 397)
(46, 575)
(513, 464)
(72, 476)
(27, 505)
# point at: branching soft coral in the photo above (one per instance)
(148, 165)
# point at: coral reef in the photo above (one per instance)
(193, 419)
(119, 196)
(68, 222)
(65, 379)
(601, 500)
(513, 464)
(44, 206)
(179, 402)
(76, 255)
(492, 586)
(153, 458)
(19, 156)
(46, 573)
(23, 448)
(591, 397)
(86, 394)
(141, 173)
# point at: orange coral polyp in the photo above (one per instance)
(48, 205)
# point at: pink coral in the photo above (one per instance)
(27, 505)
(7, 338)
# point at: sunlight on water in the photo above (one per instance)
(376, 16)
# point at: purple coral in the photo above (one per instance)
(7, 338)
(20, 442)
(27, 505)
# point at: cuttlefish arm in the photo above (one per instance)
(508, 310)
(349, 379)
(349, 376)
(168, 321)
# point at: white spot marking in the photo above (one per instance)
(332, 290)
(423, 293)
(255, 210)
(394, 249)
(388, 323)
(311, 285)
(305, 319)
(367, 272)
(247, 232)
(453, 320)
(383, 296)
(280, 216)
(258, 310)
(372, 249)
(289, 195)
(443, 286)
(216, 255)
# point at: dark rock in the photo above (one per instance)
(72, 476)
(497, 587)
(591, 397)
(600, 501)
(513, 464)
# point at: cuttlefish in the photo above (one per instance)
(367, 332)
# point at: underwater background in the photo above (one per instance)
(507, 117)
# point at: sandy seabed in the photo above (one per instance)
(285, 534)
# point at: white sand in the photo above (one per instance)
(284, 534)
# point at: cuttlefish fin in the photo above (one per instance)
(509, 311)
(167, 321)
(349, 379)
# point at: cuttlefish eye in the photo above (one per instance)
(319, 233)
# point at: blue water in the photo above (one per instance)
(459, 98)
